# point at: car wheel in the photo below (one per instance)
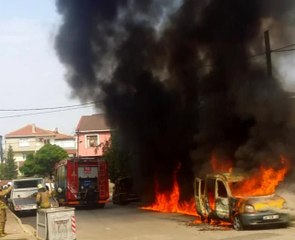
(237, 224)
(122, 200)
(101, 205)
(10, 206)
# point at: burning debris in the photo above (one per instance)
(179, 82)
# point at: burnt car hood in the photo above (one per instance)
(265, 203)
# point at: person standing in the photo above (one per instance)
(43, 197)
(3, 208)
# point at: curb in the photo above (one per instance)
(21, 224)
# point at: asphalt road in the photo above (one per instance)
(128, 222)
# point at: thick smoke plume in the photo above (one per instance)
(180, 81)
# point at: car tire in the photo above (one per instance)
(101, 205)
(237, 224)
(11, 208)
(122, 200)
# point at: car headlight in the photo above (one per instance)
(249, 209)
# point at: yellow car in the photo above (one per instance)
(215, 201)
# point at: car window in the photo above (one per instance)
(221, 189)
(26, 183)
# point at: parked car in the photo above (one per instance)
(22, 198)
(215, 201)
(124, 191)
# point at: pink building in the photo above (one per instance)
(92, 131)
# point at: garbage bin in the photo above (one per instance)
(56, 223)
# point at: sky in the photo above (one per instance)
(31, 76)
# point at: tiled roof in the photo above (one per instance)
(30, 130)
(61, 136)
(95, 122)
(71, 151)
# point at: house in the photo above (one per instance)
(67, 142)
(31, 138)
(92, 131)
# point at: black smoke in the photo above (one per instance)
(179, 81)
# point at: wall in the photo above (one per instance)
(85, 150)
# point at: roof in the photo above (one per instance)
(61, 136)
(71, 151)
(229, 177)
(95, 122)
(32, 130)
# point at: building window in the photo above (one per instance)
(91, 141)
(23, 142)
(24, 156)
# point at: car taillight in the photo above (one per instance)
(249, 209)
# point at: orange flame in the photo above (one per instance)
(169, 202)
(220, 165)
(264, 182)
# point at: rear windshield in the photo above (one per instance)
(26, 183)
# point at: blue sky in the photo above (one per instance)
(31, 74)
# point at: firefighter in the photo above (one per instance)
(43, 197)
(3, 208)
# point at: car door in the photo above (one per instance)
(199, 197)
(222, 200)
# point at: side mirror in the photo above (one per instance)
(59, 190)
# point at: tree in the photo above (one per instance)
(117, 157)
(2, 171)
(28, 169)
(10, 168)
(43, 162)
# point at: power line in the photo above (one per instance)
(287, 46)
(258, 55)
(47, 108)
(39, 113)
(89, 104)
(284, 50)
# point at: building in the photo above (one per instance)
(31, 138)
(92, 132)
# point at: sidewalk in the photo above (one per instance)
(15, 230)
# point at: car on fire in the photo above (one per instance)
(215, 201)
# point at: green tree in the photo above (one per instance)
(28, 169)
(117, 157)
(43, 162)
(2, 171)
(10, 168)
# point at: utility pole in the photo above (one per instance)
(1, 149)
(1, 156)
(268, 53)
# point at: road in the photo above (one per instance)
(130, 223)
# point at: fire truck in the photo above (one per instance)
(82, 181)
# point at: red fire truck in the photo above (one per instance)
(82, 181)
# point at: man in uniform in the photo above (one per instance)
(3, 208)
(43, 197)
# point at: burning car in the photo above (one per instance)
(221, 196)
